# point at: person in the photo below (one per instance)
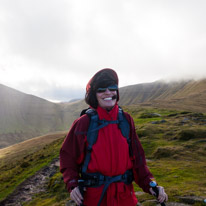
(110, 155)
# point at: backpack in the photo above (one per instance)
(96, 124)
(97, 179)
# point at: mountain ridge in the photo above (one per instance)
(190, 95)
(24, 116)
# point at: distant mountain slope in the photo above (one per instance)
(24, 116)
(189, 95)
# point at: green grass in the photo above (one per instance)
(57, 195)
(176, 160)
(175, 163)
(180, 178)
(15, 172)
(176, 150)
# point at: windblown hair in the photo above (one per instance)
(101, 79)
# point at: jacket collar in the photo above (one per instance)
(108, 115)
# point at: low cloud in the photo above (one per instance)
(63, 43)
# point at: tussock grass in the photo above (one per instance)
(192, 134)
(168, 152)
(176, 150)
(21, 161)
(177, 163)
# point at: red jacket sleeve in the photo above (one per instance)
(72, 152)
(142, 175)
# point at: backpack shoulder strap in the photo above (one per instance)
(91, 136)
(84, 111)
(125, 128)
(123, 124)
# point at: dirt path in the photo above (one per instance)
(38, 183)
(33, 185)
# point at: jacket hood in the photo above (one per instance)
(102, 78)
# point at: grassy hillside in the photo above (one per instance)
(190, 95)
(24, 116)
(72, 110)
(20, 161)
(175, 147)
(175, 144)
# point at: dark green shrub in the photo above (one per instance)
(142, 133)
(149, 115)
(149, 131)
(192, 134)
(185, 112)
(172, 115)
(166, 152)
(186, 135)
(24, 165)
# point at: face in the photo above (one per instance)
(105, 100)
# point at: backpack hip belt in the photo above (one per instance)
(97, 179)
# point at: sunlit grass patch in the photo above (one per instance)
(177, 163)
(15, 171)
(56, 194)
(180, 177)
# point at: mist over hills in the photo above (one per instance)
(24, 116)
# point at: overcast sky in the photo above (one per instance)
(51, 48)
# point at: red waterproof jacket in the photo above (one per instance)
(110, 156)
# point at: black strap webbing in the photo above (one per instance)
(119, 178)
(91, 139)
(92, 134)
(97, 179)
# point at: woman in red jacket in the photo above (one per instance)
(110, 156)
